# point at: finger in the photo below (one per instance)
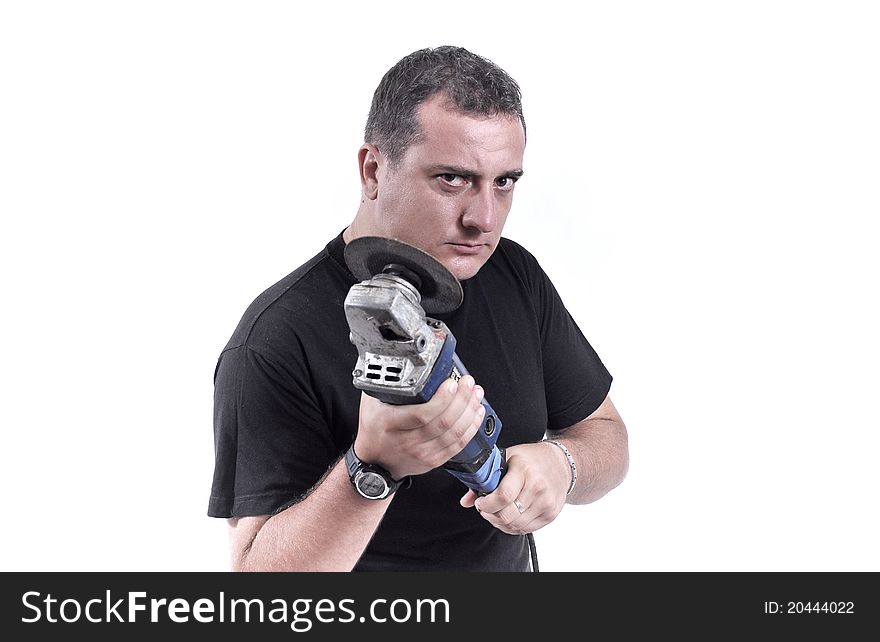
(459, 421)
(464, 427)
(508, 519)
(510, 488)
(468, 499)
(428, 413)
(454, 439)
(511, 521)
(521, 528)
(446, 405)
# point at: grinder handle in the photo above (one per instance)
(481, 463)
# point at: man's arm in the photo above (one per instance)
(599, 446)
(539, 475)
(329, 529)
(326, 531)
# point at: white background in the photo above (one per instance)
(702, 186)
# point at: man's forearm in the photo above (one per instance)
(599, 447)
(326, 531)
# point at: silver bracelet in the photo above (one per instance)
(574, 468)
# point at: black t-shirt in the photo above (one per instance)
(285, 408)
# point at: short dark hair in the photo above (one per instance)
(472, 84)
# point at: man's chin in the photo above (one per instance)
(463, 268)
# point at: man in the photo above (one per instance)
(444, 149)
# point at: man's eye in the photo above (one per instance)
(453, 179)
(505, 183)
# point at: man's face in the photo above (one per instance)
(451, 192)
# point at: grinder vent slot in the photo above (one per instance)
(376, 371)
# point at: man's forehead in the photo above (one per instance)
(440, 112)
(446, 132)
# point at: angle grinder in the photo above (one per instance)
(404, 355)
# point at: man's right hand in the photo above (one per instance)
(413, 439)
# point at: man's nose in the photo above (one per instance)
(481, 212)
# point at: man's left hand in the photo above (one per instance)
(531, 493)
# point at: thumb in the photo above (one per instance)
(468, 499)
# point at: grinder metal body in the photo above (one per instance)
(403, 354)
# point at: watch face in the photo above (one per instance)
(371, 484)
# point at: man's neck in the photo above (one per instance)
(360, 225)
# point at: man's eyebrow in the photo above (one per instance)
(463, 171)
(451, 169)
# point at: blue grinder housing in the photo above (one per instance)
(481, 464)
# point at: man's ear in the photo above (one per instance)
(369, 161)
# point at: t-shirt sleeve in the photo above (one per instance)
(271, 442)
(576, 381)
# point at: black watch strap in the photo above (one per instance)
(371, 481)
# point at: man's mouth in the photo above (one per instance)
(468, 248)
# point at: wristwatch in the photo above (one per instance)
(370, 480)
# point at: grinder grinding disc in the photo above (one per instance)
(367, 256)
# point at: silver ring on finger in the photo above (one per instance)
(519, 506)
